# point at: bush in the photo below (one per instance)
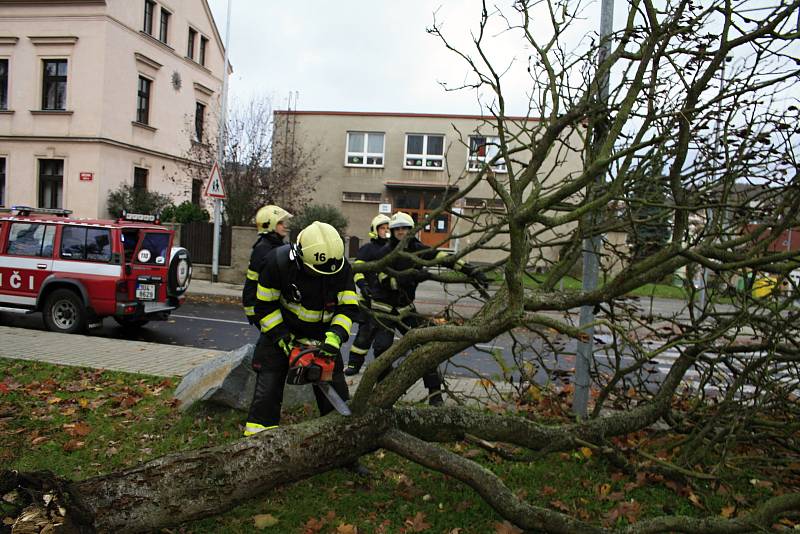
(316, 212)
(185, 212)
(126, 198)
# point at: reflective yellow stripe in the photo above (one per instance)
(252, 275)
(271, 321)
(358, 277)
(380, 306)
(382, 276)
(267, 294)
(254, 428)
(347, 297)
(304, 314)
(440, 255)
(358, 350)
(249, 310)
(343, 321)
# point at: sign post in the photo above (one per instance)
(215, 188)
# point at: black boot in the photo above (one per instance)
(435, 397)
(352, 369)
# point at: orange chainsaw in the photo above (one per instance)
(307, 365)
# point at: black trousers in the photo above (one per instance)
(272, 366)
(384, 337)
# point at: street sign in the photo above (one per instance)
(384, 208)
(86, 176)
(215, 188)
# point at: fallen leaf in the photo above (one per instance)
(506, 528)
(548, 490)
(586, 451)
(313, 525)
(77, 429)
(263, 521)
(417, 523)
(560, 505)
(346, 529)
(73, 445)
(727, 511)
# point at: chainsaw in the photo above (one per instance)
(307, 365)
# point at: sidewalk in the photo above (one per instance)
(147, 358)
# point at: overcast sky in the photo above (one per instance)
(360, 55)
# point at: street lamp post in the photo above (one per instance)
(221, 152)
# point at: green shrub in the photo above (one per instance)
(185, 212)
(318, 212)
(126, 198)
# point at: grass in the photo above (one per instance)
(80, 423)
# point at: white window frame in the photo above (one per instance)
(424, 156)
(362, 197)
(475, 163)
(365, 155)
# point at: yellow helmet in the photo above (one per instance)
(321, 248)
(379, 220)
(268, 217)
(401, 220)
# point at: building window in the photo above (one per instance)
(197, 189)
(143, 101)
(149, 8)
(199, 121)
(163, 32)
(364, 149)
(203, 48)
(190, 45)
(54, 85)
(483, 149)
(3, 84)
(2, 181)
(140, 179)
(424, 151)
(351, 196)
(484, 203)
(51, 183)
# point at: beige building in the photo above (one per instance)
(371, 162)
(99, 93)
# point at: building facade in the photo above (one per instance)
(99, 93)
(388, 162)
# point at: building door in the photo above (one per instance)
(419, 203)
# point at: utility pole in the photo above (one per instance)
(221, 151)
(591, 245)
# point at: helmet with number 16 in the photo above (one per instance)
(320, 248)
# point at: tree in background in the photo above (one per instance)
(318, 212)
(258, 169)
(185, 212)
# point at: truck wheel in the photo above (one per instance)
(131, 324)
(65, 312)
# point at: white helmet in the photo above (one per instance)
(268, 217)
(379, 220)
(401, 220)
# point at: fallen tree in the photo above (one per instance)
(568, 176)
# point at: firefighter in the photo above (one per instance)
(306, 295)
(368, 285)
(399, 292)
(272, 227)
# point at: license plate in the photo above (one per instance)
(146, 292)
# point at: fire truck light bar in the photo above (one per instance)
(139, 217)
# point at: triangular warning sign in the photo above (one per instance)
(215, 188)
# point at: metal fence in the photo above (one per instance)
(198, 239)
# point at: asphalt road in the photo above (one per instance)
(215, 325)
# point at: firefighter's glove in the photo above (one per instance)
(366, 294)
(332, 346)
(285, 344)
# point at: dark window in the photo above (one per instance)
(197, 188)
(149, 8)
(156, 244)
(2, 181)
(54, 84)
(163, 32)
(407, 199)
(143, 101)
(140, 179)
(83, 243)
(199, 121)
(190, 45)
(51, 183)
(130, 238)
(203, 48)
(31, 239)
(3, 84)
